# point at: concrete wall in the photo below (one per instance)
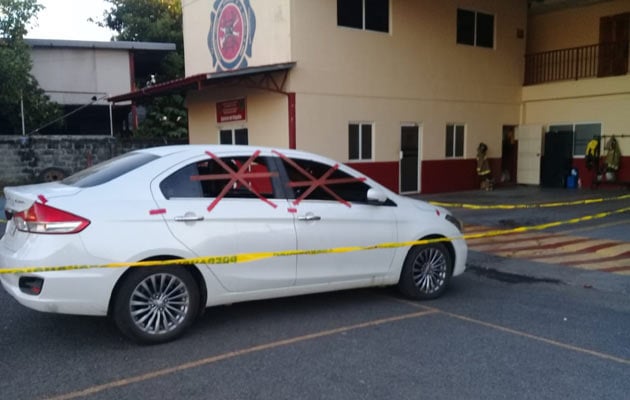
(29, 159)
(73, 76)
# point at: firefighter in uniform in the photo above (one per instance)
(483, 167)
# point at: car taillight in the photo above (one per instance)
(41, 218)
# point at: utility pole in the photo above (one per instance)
(22, 112)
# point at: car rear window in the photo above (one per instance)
(108, 170)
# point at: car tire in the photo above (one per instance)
(426, 272)
(156, 304)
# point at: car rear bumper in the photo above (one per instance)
(72, 291)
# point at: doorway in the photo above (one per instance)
(614, 33)
(557, 160)
(509, 151)
(409, 158)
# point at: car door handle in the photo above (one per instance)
(309, 217)
(189, 217)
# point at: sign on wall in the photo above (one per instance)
(232, 28)
(231, 110)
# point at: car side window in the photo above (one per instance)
(336, 184)
(212, 178)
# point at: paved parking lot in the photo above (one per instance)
(508, 328)
(486, 338)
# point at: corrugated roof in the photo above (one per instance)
(198, 81)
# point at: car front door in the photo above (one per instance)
(331, 211)
(213, 213)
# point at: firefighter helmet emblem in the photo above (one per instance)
(232, 28)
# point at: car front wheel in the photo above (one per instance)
(426, 272)
(155, 304)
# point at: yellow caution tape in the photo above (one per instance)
(539, 205)
(249, 257)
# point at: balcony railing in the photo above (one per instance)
(597, 60)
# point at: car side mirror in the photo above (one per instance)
(375, 196)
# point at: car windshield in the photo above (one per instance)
(108, 170)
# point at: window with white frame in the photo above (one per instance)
(371, 15)
(475, 28)
(582, 134)
(360, 141)
(233, 136)
(454, 140)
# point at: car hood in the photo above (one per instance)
(422, 205)
(19, 198)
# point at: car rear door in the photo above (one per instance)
(227, 205)
(332, 211)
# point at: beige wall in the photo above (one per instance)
(603, 100)
(570, 28)
(322, 124)
(267, 117)
(416, 73)
(73, 76)
(271, 41)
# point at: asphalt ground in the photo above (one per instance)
(507, 328)
(487, 338)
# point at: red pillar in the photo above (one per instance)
(292, 126)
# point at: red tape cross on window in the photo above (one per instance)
(236, 176)
(321, 182)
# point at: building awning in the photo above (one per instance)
(260, 77)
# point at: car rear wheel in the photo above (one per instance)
(426, 272)
(155, 304)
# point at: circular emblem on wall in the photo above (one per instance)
(232, 28)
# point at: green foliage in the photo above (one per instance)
(16, 81)
(166, 118)
(154, 21)
(14, 18)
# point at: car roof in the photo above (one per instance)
(162, 151)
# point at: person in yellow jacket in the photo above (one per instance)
(592, 154)
(483, 167)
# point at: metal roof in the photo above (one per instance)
(200, 81)
(85, 44)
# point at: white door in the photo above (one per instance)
(236, 223)
(529, 151)
(332, 213)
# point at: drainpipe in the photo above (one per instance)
(111, 120)
(22, 112)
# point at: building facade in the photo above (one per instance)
(403, 90)
(576, 87)
(81, 75)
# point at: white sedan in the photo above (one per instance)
(212, 206)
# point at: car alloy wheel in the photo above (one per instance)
(426, 272)
(156, 304)
(159, 303)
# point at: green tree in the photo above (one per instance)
(17, 84)
(154, 21)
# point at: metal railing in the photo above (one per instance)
(597, 60)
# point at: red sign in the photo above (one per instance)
(231, 110)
